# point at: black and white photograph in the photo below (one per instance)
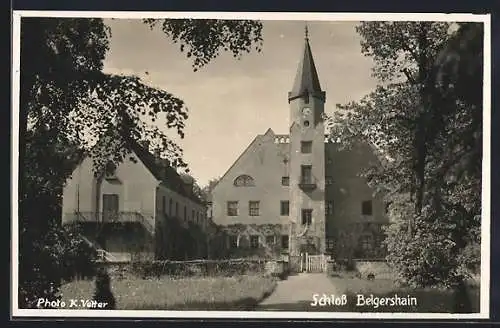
(251, 165)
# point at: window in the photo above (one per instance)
(306, 174)
(306, 216)
(254, 241)
(330, 243)
(232, 208)
(192, 215)
(270, 240)
(233, 242)
(285, 208)
(176, 209)
(284, 241)
(366, 242)
(328, 180)
(170, 207)
(164, 205)
(253, 208)
(185, 213)
(244, 181)
(366, 207)
(285, 181)
(110, 171)
(329, 207)
(306, 147)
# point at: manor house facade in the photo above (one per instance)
(301, 192)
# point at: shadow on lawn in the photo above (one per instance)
(245, 304)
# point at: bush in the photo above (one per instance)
(79, 258)
(46, 260)
(470, 257)
(431, 255)
(39, 267)
(225, 268)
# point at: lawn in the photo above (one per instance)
(428, 300)
(196, 293)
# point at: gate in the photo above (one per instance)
(308, 263)
(316, 263)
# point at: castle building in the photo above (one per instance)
(301, 192)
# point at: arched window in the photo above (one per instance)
(244, 181)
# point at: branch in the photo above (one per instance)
(409, 76)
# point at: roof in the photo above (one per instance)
(306, 79)
(162, 171)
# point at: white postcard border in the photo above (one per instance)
(486, 187)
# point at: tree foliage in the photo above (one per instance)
(425, 120)
(70, 108)
(203, 40)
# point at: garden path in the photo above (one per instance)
(296, 292)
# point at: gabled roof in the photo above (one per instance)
(162, 171)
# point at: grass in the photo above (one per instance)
(429, 300)
(197, 293)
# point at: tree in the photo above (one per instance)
(67, 102)
(408, 48)
(207, 190)
(428, 136)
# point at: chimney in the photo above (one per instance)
(188, 182)
(157, 154)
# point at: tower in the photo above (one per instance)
(307, 158)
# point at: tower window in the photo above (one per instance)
(285, 181)
(232, 208)
(306, 123)
(306, 174)
(253, 208)
(306, 147)
(170, 207)
(306, 216)
(367, 207)
(284, 208)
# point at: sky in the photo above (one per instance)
(231, 101)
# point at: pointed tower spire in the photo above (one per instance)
(306, 80)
